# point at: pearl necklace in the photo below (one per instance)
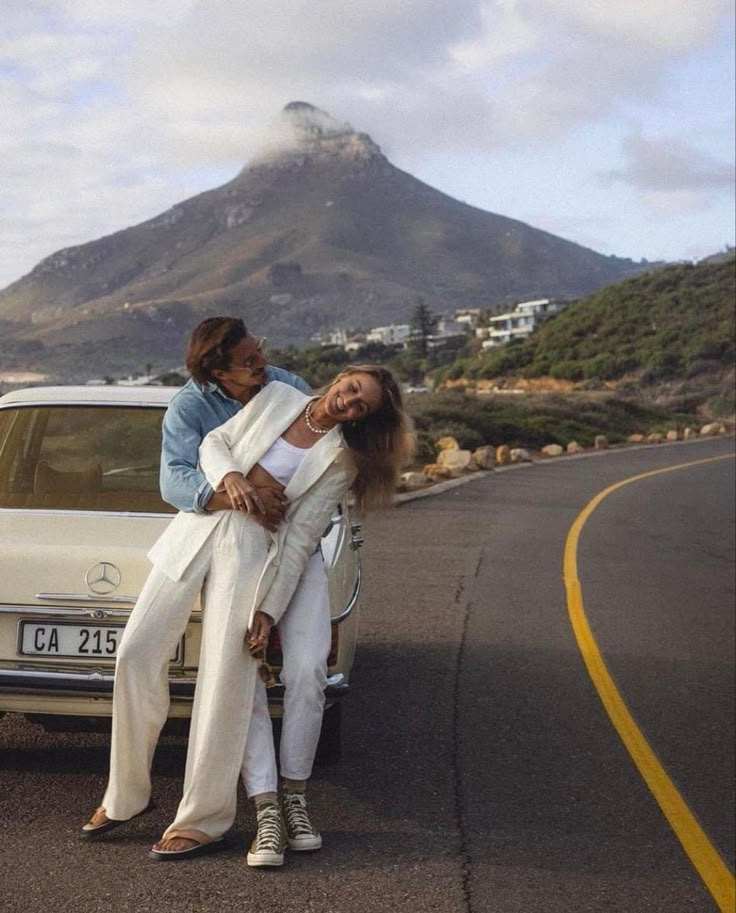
(311, 424)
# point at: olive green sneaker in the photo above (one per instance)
(270, 840)
(301, 833)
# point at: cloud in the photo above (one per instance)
(114, 110)
(672, 174)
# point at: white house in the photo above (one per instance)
(519, 323)
(392, 335)
(469, 317)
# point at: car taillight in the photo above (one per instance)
(332, 658)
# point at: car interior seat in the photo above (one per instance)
(48, 480)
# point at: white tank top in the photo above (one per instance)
(282, 460)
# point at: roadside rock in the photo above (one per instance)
(456, 461)
(600, 442)
(434, 472)
(574, 447)
(410, 481)
(688, 434)
(673, 435)
(484, 457)
(519, 455)
(712, 429)
(635, 438)
(503, 455)
(552, 450)
(654, 438)
(447, 443)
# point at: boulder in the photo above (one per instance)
(503, 455)
(635, 438)
(446, 443)
(410, 481)
(672, 435)
(654, 438)
(711, 429)
(484, 457)
(574, 447)
(456, 461)
(553, 450)
(600, 442)
(688, 434)
(519, 455)
(435, 473)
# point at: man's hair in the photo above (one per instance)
(210, 346)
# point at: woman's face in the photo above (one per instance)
(353, 397)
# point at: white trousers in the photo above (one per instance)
(305, 634)
(228, 693)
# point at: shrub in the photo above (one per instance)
(567, 370)
(425, 450)
(468, 438)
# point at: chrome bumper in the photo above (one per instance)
(98, 684)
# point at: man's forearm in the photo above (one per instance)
(185, 488)
(218, 501)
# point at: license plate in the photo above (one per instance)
(39, 638)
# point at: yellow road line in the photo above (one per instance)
(704, 856)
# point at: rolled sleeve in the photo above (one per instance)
(182, 483)
(202, 497)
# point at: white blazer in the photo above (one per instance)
(318, 485)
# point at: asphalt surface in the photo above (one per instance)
(480, 772)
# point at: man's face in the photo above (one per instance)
(247, 366)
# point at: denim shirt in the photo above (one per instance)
(194, 412)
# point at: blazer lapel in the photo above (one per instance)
(261, 435)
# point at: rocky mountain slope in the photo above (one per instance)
(318, 230)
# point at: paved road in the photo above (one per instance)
(480, 773)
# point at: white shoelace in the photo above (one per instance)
(295, 806)
(268, 836)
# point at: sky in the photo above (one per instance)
(607, 123)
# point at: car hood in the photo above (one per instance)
(63, 554)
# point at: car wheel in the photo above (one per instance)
(329, 749)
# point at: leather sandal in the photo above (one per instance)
(199, 849)
(92, 831)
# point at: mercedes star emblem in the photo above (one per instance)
(102, 578)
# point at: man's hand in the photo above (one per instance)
(240, 494)
(274, 505)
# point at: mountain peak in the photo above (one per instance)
(303, 130)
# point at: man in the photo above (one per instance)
(228, 367)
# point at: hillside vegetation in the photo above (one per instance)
(677, 322)
(533, 420)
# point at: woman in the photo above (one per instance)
(352, 436)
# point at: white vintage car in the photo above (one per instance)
(79, 509)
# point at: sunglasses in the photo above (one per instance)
(249, 363)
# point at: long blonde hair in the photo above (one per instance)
(381, 443)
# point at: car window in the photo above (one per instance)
(81, 458)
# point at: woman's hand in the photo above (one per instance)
(243, 496)
(257, 636)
